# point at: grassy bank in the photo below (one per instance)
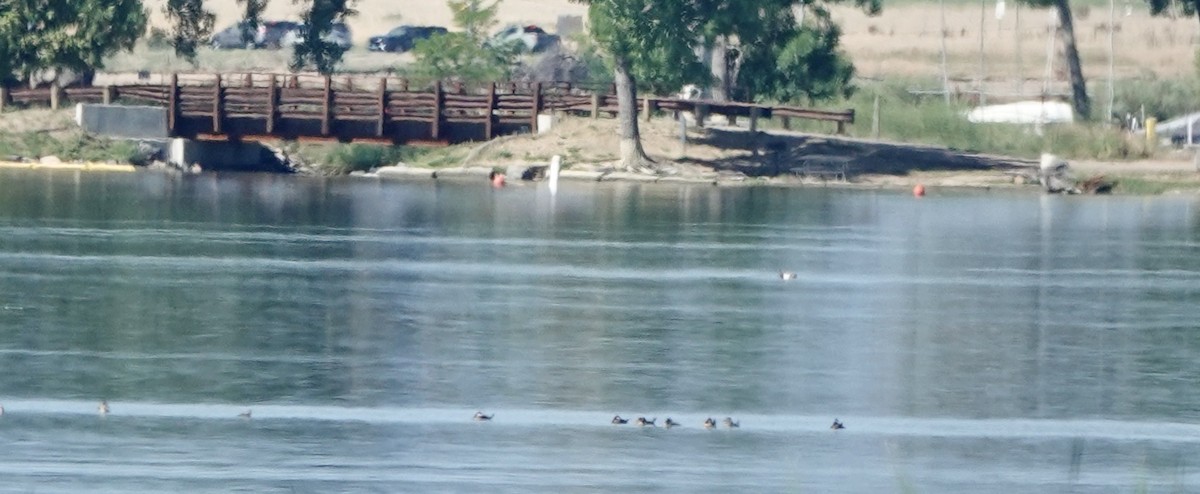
(36, 133)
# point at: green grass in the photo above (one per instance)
(69, 146)
(927, 119)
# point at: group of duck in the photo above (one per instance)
(709, 423)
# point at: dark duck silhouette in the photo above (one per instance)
(617, 420)
(481, 417)
(709, 423)
(643, 422)
(670, 423)
(837, 424)
(730, 423)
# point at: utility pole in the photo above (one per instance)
(942, 35)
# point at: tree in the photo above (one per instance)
(465, 55)
(315, 49)
(654, 42)
(75, 35)
(191, 23)
(1189, 7)
(778, 56)
(650, 38)
(251, 18)
(1066, 30)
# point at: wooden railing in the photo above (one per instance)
(380, 108)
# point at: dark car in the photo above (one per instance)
(403, 38)
(268, 35)
(271, 33)
(231, 38)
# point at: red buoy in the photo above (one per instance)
(919, 191)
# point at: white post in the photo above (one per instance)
(555, 166)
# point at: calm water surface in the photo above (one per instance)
(985, 343)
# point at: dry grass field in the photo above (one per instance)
(902, 42)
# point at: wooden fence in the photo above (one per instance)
(250, 106)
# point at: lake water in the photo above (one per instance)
(971, 342)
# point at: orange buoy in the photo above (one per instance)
(919, 191)
(497, 179)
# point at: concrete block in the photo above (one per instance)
(545, 123)
(404, 172)
(219, 155)
(133, 122)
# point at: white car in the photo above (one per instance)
(339, 35)
(530, 38)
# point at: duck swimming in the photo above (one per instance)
(787, 275)
(617, 420)
(103, 407)
(481, 417)
(730, 423)
(837, 424)
(670, 423)
(643, 422)
(245, 414)
(709, 423)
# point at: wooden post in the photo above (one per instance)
(595, 105)
(754, 112)
(787, 123)
(216, 108)
(3, 95)
(349, 83)
(841, 127)
(108, 95)
(436, 125)
(491, 112)
(647, 107)
(248, 80)
(55, 95)
(326, 107)
(383, 100)
(272, 104)
(404, 85)
(172, 103)
(536, 108)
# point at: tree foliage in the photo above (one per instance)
(252, 17)
(315, 49)
(465, 55)
(1080, 102)
(191, 24)
(74, 35)
(1167, 7)
(789, 61)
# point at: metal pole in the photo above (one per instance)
(1112, 50)
(1017, 37)
(982, 63)
(942, 35)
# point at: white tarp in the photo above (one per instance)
(1024, 112)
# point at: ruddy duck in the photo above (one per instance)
(787, 275)
(480, 416)
(617, 420)
(643, 422)
(670, 423)
(730, 423)
(709, 423)
(245, 414)
(103, 407)
(837, 424)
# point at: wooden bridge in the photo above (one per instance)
(379, 109)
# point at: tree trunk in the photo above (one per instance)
(719, 66)
(1079, 96)
(633, 157)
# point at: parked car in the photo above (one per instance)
(230, 38)
(268, 35)
(403, 38)
(338, 35)
(528, 38)
(271, 33)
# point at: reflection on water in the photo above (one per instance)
(971, 342)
